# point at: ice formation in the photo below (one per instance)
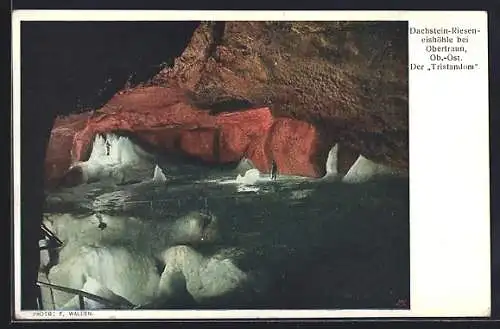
(131, 275)
(119, 261)
(158, 175)
(130, 278)
(361, 171)
(250, 177)
(116, 158)
(332, 163)
(205, 278)
(147, 235)
(244, 165)
(364, 169)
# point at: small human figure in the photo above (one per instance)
(274, 170)
(102, 225)
(108, 147)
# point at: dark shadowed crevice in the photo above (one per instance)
(216, 104)
(228, 105)
(217, 35)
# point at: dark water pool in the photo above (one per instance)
(318, 245)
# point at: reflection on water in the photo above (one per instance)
(307, 243)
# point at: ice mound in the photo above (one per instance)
(244, 165)
(158, 175)
(129, 278)
(332, 164)
(250, 177)
(146, 235)
(364, 170)
(118, 270)
(361, 171)
(204, 278)
(139, 262)
(115, 158)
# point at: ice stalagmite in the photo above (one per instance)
(364, 169)
(115, 158)
(332, 164)
(158, 175)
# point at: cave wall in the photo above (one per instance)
(348, 78)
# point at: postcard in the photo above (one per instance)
(250, 164)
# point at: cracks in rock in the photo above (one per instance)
(218, 105)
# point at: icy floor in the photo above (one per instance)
(308, 243)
